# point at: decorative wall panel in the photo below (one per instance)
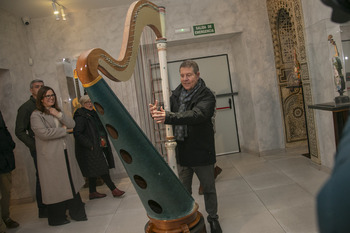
(287, 30)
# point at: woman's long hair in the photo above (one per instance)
(41, 95)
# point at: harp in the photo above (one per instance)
(170, 208)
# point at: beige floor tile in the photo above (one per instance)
(128, 221)
(241, 204)
(259, 223)
(95, 224)
(268, 180)
(231, 187)
(291, 163)
(224, 161)
(245, 158)
(301, 219)
(285, 196)
(256, 168)
(308, 177)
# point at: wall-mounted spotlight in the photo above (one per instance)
(63, 14)
(54, 7)
(56, 12)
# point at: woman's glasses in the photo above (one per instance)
(49, 96)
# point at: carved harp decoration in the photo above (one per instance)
(168, 204)
(140, 14)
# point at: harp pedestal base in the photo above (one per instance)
(192, 223)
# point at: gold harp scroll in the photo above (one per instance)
(140, 14)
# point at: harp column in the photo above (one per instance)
(170, 143)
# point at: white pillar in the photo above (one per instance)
(170, 144)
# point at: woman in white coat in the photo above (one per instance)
(59, 174)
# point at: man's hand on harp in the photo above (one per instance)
(157, 114)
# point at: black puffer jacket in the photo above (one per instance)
(7, 158)
(198, 149)
(90, 155)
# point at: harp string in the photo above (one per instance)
(140, 14)
(147, 73)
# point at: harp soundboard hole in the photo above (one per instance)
(140, 182)
(99, 108)
(155, 206)
(126, 156)
(112, 131)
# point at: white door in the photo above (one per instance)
(214, 71)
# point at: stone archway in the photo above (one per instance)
(287, 30)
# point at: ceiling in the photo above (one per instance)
(43, 8)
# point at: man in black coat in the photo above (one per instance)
(7, 164)
(192, 109)
(25, 133)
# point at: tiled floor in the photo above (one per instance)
(268, 194)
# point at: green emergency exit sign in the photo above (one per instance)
(203, 29)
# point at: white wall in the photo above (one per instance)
(15, 77)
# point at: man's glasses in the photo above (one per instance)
(49, 96)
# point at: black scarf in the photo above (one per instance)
(185, 97)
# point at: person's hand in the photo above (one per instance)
(157, 115)
(64, 126)
(53, 111)
(153, 107)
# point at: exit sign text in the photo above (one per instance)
(203, 29)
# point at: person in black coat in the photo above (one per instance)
(25, 133)
(7, 164)
(333, 204)
(92, 148)
(192, 109)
